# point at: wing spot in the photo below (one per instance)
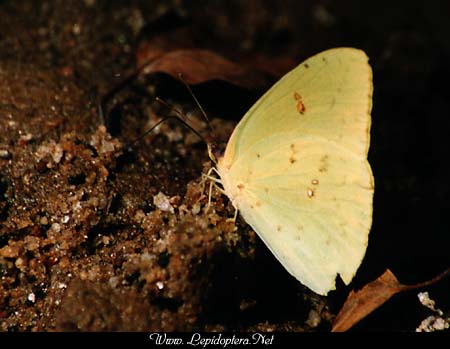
(306, 65)
(300, 106)
(240, 186)
(292, 158)
(258, 155)
(278, 227)
(323, 166)
(315, 182)
(333, 102)
(310, 193)
(258, 203)
(266, 189)
(324, 59)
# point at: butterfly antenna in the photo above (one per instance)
(180, 76)
(151, 129)
(102, 103)
(179, 116)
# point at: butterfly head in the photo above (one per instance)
(215, 152)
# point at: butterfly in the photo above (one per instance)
(296, 167)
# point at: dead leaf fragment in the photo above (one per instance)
(168, 46)
(361, 303)
(198, 66)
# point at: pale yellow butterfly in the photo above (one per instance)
(296, 167)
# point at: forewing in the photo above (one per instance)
(335, 91)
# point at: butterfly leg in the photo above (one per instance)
(205, 177)
(234, 217)
(209, 195)
(212, 182)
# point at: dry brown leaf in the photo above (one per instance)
(198, 66)
(361, 303)
(167, 46)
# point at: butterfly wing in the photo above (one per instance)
(296, 167)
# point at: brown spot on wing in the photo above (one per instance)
(279, 228)
(300, 106)
(292, 158)
(323, 166)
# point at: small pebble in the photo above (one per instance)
(26, 138)
(313, 319)
(9, 251)
(20, 263)
(56, 227)
(61, 285)
(162, 202)
(113, 281)
(31, 297)
(4, 154)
